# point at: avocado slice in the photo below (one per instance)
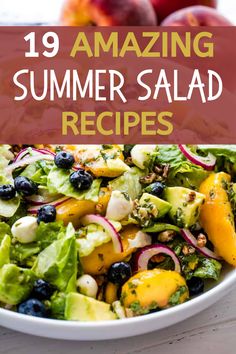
(162, 206)
(186, 205)
(84, 308)
(16, 284)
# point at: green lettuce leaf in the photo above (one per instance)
(9, 207)
(47, 233)
(4, 230)
(5, 245)
(57, 263)
(225, 157)
(5, 156)
(208, 268)
(159, 227)
(24, 254)
(181, 171)
(20, 213)
(129, 182)
(58, 182)
(38, 171)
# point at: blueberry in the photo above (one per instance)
(81, 180)
(47, 213)
(156, 189)
(195, 286)
(119, 273)
(7, 192)
(32, 307)
(25, 186)
(64, 160)
(42, 290)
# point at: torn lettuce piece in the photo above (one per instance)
(5, 246)
(58, 182)
(5, 152)
(129, 182)
(47, 233)
(24, 254)
(159, 227)
(208, 269)
(225, 156)
(4, 229)
(181, 171)
(38, 171)
(90, 237)
(9, 207)
(20, 213)
(57, 263)
(5, 156)
(16, 284)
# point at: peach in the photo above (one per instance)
(108, 13)
(196, 16)
(163, 8)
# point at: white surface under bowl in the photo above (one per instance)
(121, 328)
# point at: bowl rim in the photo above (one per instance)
(222, 287)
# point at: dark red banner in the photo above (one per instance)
(122, 85)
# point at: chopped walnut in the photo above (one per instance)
(144, 213)
(191, 196)
(187, 250)
(129, 161)
(100, 279)
(159, 174)
(129, 313)
(158, 169)
(166, 236)
(166, 171)
(158, 258)
(201, 240)
(150, 178)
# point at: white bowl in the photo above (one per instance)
(121, 328)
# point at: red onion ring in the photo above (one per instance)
(34, 209)
(145, 254)
(107, 226)
(188, 236)
(26, 151)
(208, 162)
(27, 161)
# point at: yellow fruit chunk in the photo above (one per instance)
(111, 293)
(101, 160)
(103, 199)
(152, 289)
(216, 216)
(73, 210)
(99, 261)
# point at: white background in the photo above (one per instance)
(213, 331)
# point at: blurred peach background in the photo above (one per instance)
(47, 11)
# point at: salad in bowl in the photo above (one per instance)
(107, 232)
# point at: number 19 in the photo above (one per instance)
(50, 41)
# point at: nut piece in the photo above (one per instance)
(201, 240)
(187, 250)
(191, 196)
(166, 236)
(148, 179)
(158, 258)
